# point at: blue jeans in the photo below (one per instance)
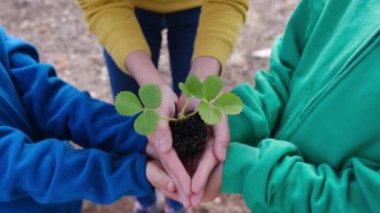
(182, 28)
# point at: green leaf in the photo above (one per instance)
(194, 86)
(209, 114)
(185, 90)
(150, 95)
(229, 103)
(127, 104)
(211, 87)
(147, 122)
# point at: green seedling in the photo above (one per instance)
(211, 103)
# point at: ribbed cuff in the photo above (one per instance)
(240, 160)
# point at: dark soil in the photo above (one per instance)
(189, 140)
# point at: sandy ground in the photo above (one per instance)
(58, 30)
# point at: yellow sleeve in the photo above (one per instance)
(115, 25)
(219, 26)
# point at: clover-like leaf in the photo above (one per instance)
(194, 85)
(185, 90)
(209, 114)
(229, 103)
(211, 87)
(147, 122)
(127, 103)
(150, 95)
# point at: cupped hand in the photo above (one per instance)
(213, 187)
(142, 69)
(161, 140)
(213, 156)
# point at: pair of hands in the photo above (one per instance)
(165, 171)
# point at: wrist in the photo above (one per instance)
(142, 68)
(204, 66)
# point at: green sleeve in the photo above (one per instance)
(274, 176)
(263, 106)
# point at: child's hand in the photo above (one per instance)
(143, 70)
(203, 67)
(212, 189)
(211, 160)
(161, 140)
(160, 179)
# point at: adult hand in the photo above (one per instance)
(218, 142)
(161, 140)
(203, 67)
(142, 69)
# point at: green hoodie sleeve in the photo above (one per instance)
(271, 174)
(275, 177)
(263, 105)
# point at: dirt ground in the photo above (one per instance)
(58, 30)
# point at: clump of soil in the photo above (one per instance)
(189, 140)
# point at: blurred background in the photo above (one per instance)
(58, 30)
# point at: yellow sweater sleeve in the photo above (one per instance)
(116, 27)
(219, 27)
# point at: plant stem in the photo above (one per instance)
(168, 119)
(181, 115)
(191, 114)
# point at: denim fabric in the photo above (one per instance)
(182, 28)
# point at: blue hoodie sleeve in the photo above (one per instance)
(50, 171)
(47, 168)
(59, 110)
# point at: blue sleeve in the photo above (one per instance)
(50, 171)
(59, 110)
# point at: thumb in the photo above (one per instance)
(162, 137)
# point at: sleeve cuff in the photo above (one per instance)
(240, 160)
(148, 189)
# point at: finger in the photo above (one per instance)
(169, 194)
(212, 189)
(176, 196)
(222, 138)
(161, 139)
(201, 175)
(214, 186)
(177, 171)
(181, 102)
(157, 177)
(150, 150)
(171, 187)
(192, 105)
(196, 199)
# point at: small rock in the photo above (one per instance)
(264, 53)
